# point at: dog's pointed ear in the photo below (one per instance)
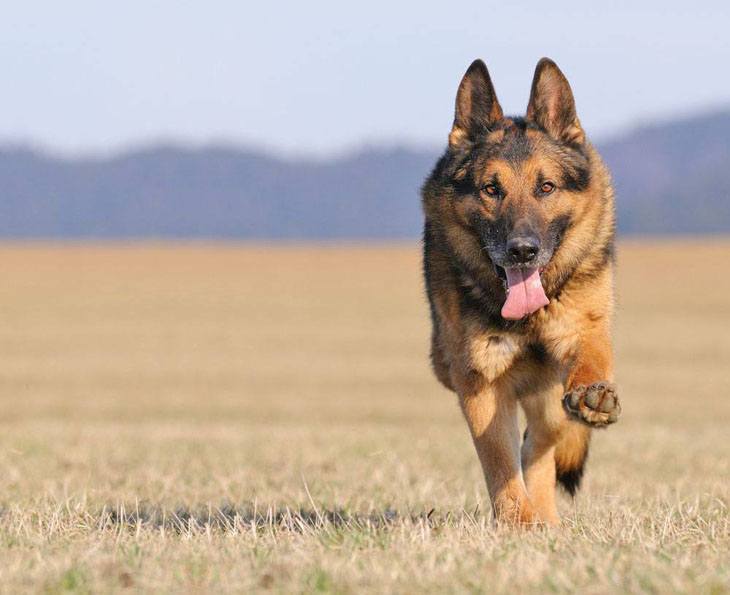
(552, 105)
(477, 108)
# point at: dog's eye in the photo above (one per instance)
(546, 188)
(490, 190)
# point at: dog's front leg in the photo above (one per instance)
(546, 425)
(591, 396)
(492, 417)
(590, 402)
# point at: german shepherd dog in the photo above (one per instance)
(518, 261)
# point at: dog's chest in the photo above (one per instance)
(495, 353)
(492, 354)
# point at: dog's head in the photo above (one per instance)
(517, 184)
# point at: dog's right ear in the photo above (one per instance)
(477, 108)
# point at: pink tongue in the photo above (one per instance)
(525, 294)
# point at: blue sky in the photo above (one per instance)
(320, 77)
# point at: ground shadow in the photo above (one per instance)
(228, 517)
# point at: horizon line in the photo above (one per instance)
(163, 141)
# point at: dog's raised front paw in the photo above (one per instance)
(596, 405)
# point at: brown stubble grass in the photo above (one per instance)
(230, 419)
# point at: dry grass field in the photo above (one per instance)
(227, 419)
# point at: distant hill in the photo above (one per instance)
(670, 178)
(673, 177)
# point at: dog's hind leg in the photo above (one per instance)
(571, 453)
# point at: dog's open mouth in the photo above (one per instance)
(525, 293)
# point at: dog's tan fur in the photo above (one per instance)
(495, 366)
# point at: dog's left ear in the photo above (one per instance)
(552, 105)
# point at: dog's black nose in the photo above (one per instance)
(522, 249)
